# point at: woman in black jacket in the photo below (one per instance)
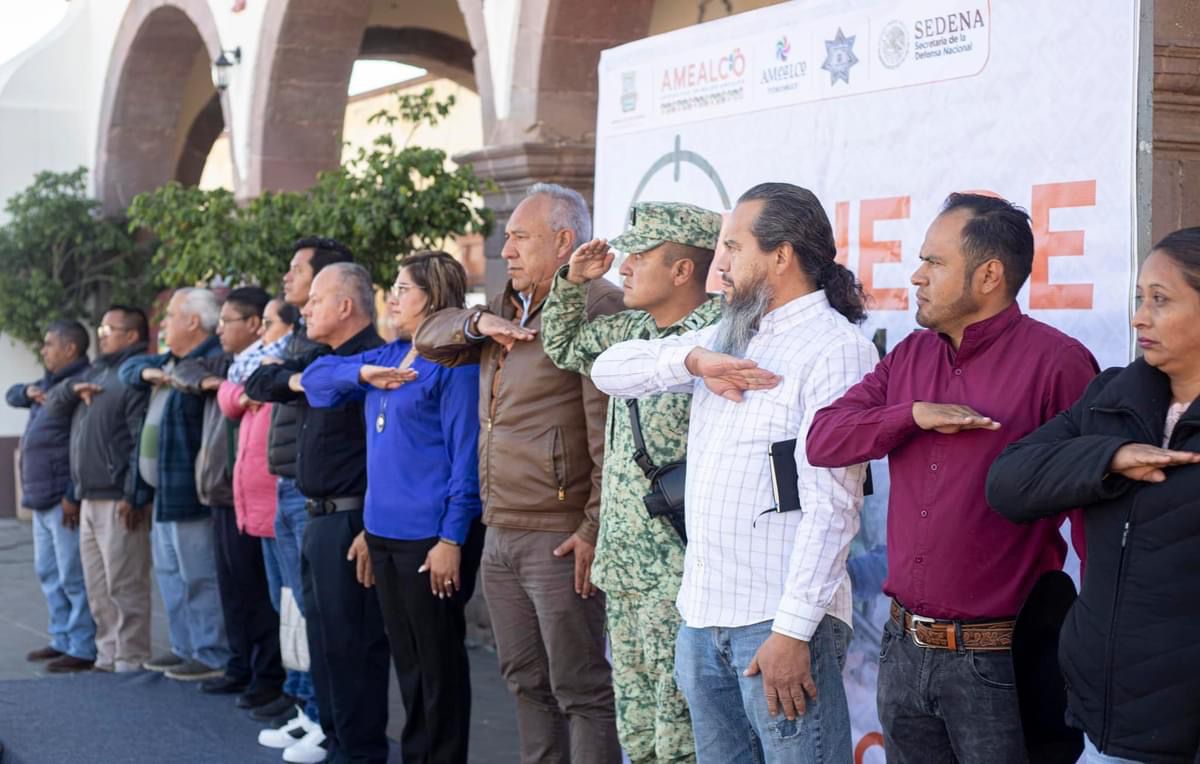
(1127, 453)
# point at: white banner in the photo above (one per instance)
(883, 108)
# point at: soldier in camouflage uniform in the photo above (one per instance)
(639, 559)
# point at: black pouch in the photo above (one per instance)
(667, 483)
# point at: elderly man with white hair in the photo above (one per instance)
(182, 534)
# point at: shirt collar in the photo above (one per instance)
(981, 334)
(791, 314)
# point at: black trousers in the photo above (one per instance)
(346, 642)
(251, 623)
(426, 636)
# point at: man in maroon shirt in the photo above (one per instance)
(941, 406)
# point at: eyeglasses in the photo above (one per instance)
(105, 330)
(222, 322)
(399, 290)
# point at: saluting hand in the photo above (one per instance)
(385, 377)
(504, 332)
(86, 391)
(728, 376)
(1139, 461)
(949, 418)
(590, 261)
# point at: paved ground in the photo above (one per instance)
(23, 628)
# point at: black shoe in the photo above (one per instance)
(283, 705)
(255, 698)
(43, 654)
(223, 685)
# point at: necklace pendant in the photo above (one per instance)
(380, 422)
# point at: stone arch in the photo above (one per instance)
(158, 100)
(305, 56)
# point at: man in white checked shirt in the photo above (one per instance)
(765, 597)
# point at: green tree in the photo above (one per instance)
(61, 259)
(384, 202)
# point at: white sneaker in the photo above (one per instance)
(289, 734)
(308, 750)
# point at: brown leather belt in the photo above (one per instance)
(953, 635)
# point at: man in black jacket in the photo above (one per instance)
(45, 488)
(114, 529)
(310, 256)
(346, 639)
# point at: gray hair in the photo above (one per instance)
(203, 304)
(354, 281)
(569, 211)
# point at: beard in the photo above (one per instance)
(965, 305)
(740, 316)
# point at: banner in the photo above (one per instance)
(883, 109)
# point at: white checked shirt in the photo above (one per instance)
(742, 566)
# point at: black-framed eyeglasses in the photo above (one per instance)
(105, 330)
(223, 322)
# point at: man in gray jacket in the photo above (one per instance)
(114, 526)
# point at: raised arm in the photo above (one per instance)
(333, 380)
(571, 341)
(269, 382)
(460, 429)
(130, 372)
(637, 368)
(442, 338)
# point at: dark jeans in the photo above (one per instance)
(346, 642)
(426, 635)
(947, 706)
(251, 623)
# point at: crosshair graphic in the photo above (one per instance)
(675, 159)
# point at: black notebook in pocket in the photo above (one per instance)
(785, 481)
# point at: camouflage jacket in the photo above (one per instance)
(635, 553)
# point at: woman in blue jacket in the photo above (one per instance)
(422, 505)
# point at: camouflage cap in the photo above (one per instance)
(655, 223)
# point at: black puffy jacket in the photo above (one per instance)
(1130, 647)
(284, 436)
(45, 446)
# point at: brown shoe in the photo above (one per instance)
(67, 664)
(43, 654)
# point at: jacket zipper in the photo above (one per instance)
(558, 473)
(1110, 642)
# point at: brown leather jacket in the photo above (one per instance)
(541, 439)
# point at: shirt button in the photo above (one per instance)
(958, 372)
(933, 468)
(924, 513)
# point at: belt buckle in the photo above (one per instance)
(912, 631)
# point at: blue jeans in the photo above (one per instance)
(729, 711)
(947, 707)
(298, 683)
(290, 520)
(185, 567)
(56, 562)
(1091, 755)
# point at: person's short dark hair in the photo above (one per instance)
(249, 301)
(289, 314)
(701, 258)
(71, 332)
(997, 229)
(134, 318)
(794, 215)
(325, 251)
(1183, 246)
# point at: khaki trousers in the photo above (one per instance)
(116, 571)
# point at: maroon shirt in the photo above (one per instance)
(949, 554)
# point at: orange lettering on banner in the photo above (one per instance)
(841, 232)
(871, 252)
(869, 740)
(1046, 244)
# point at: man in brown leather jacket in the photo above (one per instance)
(540, 451)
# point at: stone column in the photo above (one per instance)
(1176, 182)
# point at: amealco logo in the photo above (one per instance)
(778, 76)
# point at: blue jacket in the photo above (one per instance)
(423, 466)
(179, 437)
(45, 446)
